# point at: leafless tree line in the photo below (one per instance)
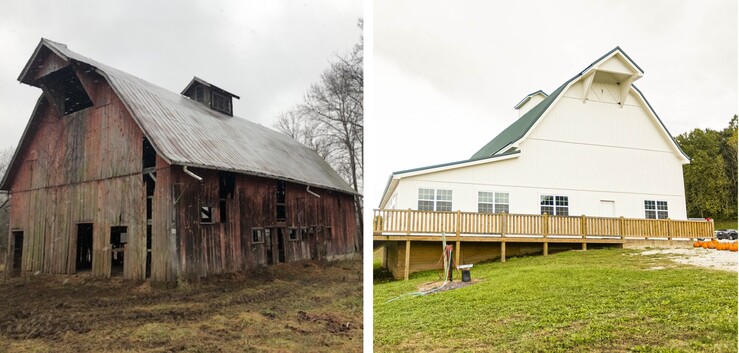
(330, 120)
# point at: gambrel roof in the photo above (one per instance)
(185, 132)
(518, 130)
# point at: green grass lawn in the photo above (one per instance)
(612, 300)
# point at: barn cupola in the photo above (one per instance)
(615, 69)
(58, 76)
(530, 101)
(210, 95)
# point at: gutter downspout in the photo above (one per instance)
(307, 188)
(184, 169)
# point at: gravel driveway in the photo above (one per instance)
(709, 258)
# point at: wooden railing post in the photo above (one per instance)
(408, 222)
(584, 231)
(621, 227)
(669, 229)
(545, 232)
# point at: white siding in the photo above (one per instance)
(590, 152)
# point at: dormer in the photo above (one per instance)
(530, 101)
(211, 96)
(614, 68)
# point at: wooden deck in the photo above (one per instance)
(427, 226)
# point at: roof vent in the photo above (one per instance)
(530, 101)
(212, 96)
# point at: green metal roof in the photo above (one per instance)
(519, 128)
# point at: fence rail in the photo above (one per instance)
(387, 222)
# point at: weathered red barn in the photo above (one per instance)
(119, 176)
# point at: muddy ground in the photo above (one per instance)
(298, 307)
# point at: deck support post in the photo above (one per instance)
(584, 231)
(407, 259)
(457, 245)
(545, 232)
(384, 256)
(502, 251)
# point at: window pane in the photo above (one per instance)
(485, 197)
(563, 211)
(547, 200)
(501, 197)
(562, 201)
(444, 195)
(501, 208)
(485, 208)
(650, 214)
(425, 205)
(547, 209)
(425, 194)
(662, 205)
(443, 206)
(662, 214)
(649, 205)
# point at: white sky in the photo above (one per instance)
(266, 52)
(446, 75)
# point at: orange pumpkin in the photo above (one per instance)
(711, 245)
(697, 244)
(733, 247)
(705, 244)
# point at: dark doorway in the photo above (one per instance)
(17, 252)
(84, 247)
(118, 239)
(281, 243)
(268, 246)
(148, 251)
(312, 243)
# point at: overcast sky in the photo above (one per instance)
(446, 74)
(266, 52)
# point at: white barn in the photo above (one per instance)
(592, 147)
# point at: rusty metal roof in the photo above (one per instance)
(185, 132)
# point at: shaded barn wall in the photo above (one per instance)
(325, 227)
(84, 167)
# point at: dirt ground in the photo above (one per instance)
(709, 258)
(298, 307)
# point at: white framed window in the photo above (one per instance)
(655, 209)
(434, 200)
(492, 202)
(555, 205)
(257, 235)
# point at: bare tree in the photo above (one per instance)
(5, 157)
(330, 120)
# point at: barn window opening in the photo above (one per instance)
(66, 91)
(206, 214)
(555, 205)
(118, 240)
(199, 94)
(655, 209)
(434, 200)
(489, 202)
(304, 233)
(226, 186)
(149, 158)
(293, 233)
(221, 103)
(280, 201)
(257, 235)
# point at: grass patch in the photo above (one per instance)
(598, 300)
(730, 224)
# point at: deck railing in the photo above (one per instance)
(407, 222)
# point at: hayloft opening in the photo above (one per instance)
(149, 158)
(280, 201)
(66, 91)
(226, 186)
(118, 240)
(83, 258)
